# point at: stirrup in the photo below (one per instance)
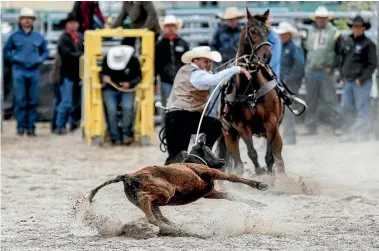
(293, 100)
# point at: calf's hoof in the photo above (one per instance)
(262, 186)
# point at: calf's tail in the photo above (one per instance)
(116, 180)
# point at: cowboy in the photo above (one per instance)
(322, 48)
(359, 62)
(26, 49)
(121, 72)
(291, 73)
(188, 98)
(227, 35)
(168, 52)
(70, 48)
(142, 15)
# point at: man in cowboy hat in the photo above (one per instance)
(26, 49)
(291, 73)
(359, 62)
(227, 35)
(225, 41)
(168, 52)
(121, 72)
(322, 48)
(70, 48)
(188, 97)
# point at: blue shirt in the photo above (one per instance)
(226, 41)
(276, 50)
(202, 79)
(292, 65)
(26, 50)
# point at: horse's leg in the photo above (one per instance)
(274, 149)
(247, 137)
(232, 144)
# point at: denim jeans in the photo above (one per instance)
(65, 105)
(320, 88)
(111, 99)
(356, 100)
(26, 90)
(165, 92)
(56, 101)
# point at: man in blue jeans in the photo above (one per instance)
(121, 72)
(168, 53)
(359, 62)
(70, 48)
(26, 49)
(322, 49)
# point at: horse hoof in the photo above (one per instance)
(260, 171)
(262, 187)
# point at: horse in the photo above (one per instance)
(257, 107)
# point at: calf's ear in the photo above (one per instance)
(202, 139)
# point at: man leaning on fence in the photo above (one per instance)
(121, 72)
(291, 73)
(322, 48)
(168, 52)
(359, 62)
(26, 49)
(70, 49)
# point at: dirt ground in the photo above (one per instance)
(44, 182)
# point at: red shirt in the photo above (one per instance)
(85, 8)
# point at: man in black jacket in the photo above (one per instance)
(359, 62)
(168, 53)
(121, 72)
(70, 48)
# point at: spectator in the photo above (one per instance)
(168, 53)
(122, 70)
(70, 48)
(26, 49)
(359, 62)
(322, 46)
(142, 15)
(276, 49)
(227, 35)
(291, 73)
(89, 15)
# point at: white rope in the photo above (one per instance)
(206, 105)
(205, 163)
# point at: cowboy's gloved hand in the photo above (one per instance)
(246, 72)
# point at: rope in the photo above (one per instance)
(120, 88)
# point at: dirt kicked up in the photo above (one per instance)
(45, 182)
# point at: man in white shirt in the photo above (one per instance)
(188, 98)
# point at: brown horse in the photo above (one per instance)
(257, 107)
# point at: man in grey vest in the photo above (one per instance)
(322, 46)
(188, 98)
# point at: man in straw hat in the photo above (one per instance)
(188, 97)
(26, 49)
(322, 47)
(70, 48)
(168, 52)
(291, 73)
(359, 62)
(122, 69)
(227, 35)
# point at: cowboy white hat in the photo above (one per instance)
(285, 27)
(321, 11)
(201, 52)
(118, 57)
(171, 19)
(27, 12)
(232, 13)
